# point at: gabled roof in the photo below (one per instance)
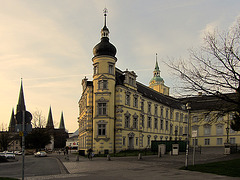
(150, 93)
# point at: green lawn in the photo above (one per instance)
(227, 168)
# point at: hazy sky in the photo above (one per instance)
(49, 44)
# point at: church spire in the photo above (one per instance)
(62, 125)
(50, 120)
(12, 123)
(21, 102)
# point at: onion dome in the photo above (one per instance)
(104, 47)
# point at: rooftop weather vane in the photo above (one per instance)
(105, 11)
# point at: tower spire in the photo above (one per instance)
(21, 102)
(50, 120)
(12, 123)
(62, 125)
(105, 31)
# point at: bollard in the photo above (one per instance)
(139, 156)
(77, 158)
(108, 157)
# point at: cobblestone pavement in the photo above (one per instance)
(130, 168)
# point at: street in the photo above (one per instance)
(34, 166)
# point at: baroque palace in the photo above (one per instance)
(116, 112)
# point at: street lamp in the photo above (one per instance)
(187, 148)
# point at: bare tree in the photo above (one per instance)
(38, 120)
(214, 69)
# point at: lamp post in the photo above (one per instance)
(186, 160)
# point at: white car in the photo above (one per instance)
(8, 155)
(40, 154)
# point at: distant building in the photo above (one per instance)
(58, 136)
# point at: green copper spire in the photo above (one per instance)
(156, 66)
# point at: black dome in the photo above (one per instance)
(104, 48)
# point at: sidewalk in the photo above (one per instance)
(130, 168)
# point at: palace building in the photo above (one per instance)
(116, 112)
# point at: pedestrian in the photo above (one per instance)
(90, 153)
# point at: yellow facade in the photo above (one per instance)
(116, 112)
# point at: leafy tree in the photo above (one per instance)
(38, 138)
(214, 69)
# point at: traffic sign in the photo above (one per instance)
(28, 117)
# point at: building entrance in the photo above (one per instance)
(131, 143)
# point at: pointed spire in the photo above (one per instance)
(105, 31)
(12, 123)
(50, 120)
(21, 102)
(62, 125)
(156, 71)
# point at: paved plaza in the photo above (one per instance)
(130, 168)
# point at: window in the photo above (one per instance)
(102, 110)
(232, 140)
(176, 130)
(155, 123)
(135, 122)
(156, 110)
(166, 113)
(128, 98)
(161, 125)
(195, 119)
(142, 116)
(149, 122)
(136, 141)
(195, 128)
(149, 140)
(206, 141)
(135, 101)
(127, 121)
(177, 116)
(171, 129)
(219, 141)
(181, 117)
(219, 129)
(171, 114)
(16, 142)
(110, 69)
(185, 118)
(142, 105)
(166, 126)
(124, 141)
(102, 84)
(161, 112)
(95, 69)
(181, 131)
(149, 108)
(101, 129)
(232, 131)
(207, 130)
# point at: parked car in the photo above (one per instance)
(18, 152)
(40, 154)
(8, 155)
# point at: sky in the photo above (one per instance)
(49, 45)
